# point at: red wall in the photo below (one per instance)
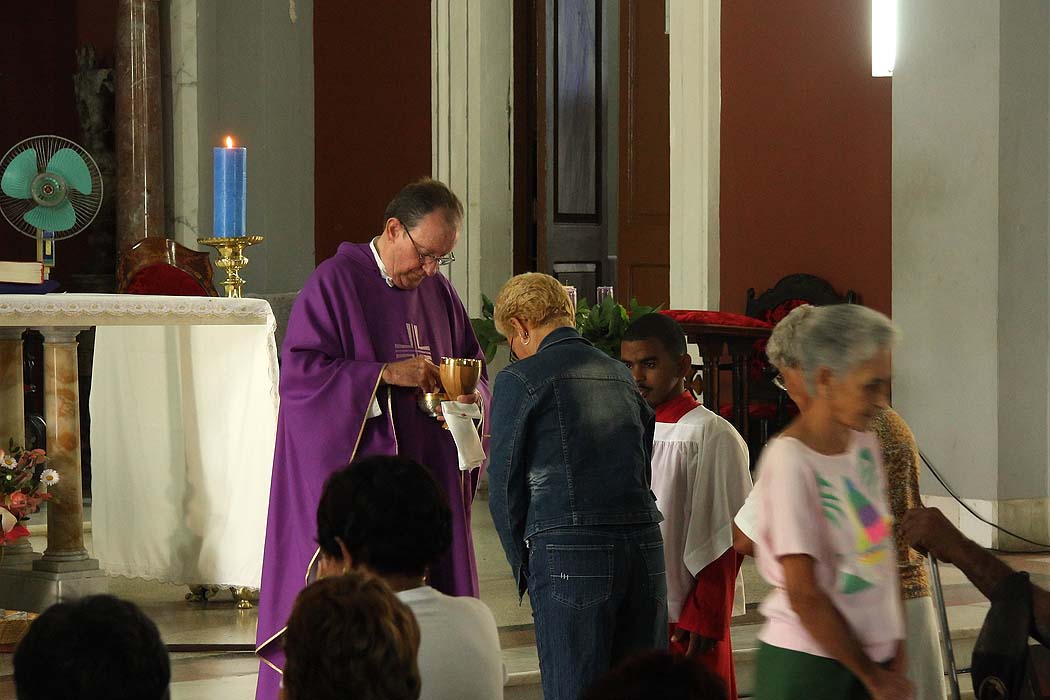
(371, 113)
(806, 138)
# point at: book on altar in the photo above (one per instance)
(21, 272)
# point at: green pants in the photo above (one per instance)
(783, 674)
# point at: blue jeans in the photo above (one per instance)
(598, 594)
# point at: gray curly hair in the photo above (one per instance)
(843, 337)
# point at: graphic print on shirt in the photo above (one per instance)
(851, 513)
(414, 347)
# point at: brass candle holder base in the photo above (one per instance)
(232, 259)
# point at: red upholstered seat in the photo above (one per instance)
(717, 318)
(164, 279)
(157, 265)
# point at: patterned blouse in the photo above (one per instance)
(901, 458)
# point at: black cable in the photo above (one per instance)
(936, 474)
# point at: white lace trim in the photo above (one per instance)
(28, 310)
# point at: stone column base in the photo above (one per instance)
(22, 588)
(1028, 517)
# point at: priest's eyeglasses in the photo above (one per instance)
(430, 258)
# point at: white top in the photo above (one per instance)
(459, 652)
(382, 266)
(747, 517)
(700, 478)
(833, 509)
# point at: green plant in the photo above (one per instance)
(603, 324)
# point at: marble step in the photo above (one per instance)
(964, 620)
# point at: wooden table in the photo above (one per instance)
(714, 342)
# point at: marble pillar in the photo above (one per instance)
(140, 129)
(12, 421)
(12, 392)
(65, 514)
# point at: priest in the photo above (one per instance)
(701, 477)
(362, 345)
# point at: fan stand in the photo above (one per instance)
(45, 250)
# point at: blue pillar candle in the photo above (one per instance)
(230, 176)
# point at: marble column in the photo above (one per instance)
(12, 421)
(12, 392)
(140, 129)
(65, 514)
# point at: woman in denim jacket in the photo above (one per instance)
(569, 478)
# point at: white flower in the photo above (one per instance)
(8, 462)
(49, 477)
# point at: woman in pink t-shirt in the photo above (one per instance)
(834, 624)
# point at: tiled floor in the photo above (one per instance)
(231, 676)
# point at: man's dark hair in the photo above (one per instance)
(658, 674)
(390, 514)
(418, 199)
(657, 326)
(96, 648)
(350, 637)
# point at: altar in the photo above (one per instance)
(183, 404)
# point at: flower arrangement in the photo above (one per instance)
(603, 324)
(24, 481)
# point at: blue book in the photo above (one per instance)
(45, 287)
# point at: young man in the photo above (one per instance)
(701, 478)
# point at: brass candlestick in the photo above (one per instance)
(232, 259)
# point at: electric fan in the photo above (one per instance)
(51, 189)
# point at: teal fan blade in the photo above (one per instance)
(58, 218)
(19, 175)
(68, 163)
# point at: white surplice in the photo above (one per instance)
(701, 477)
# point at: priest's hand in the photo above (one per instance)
(695, 644)
(413, 372)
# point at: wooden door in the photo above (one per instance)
(644, 155)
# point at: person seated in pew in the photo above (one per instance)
(350, 637)
(95, 648)
(658, 674)
(701, 476)
(388, 515)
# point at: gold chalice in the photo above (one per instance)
(430, 402)
(460, 376)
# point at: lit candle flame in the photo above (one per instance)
(229, 142)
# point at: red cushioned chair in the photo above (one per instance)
(771, 407)
(157, 265)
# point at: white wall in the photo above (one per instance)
(245, 68)
(970, 255)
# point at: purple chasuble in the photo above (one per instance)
(345, 326)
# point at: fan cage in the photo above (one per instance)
(86, 206)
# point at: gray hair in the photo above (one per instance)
(843, 337)
(784, 348)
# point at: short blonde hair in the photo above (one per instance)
(534, 297)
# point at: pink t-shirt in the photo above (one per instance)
(833, 508)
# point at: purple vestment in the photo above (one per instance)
(345, 325)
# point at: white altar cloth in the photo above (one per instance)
(183, 422)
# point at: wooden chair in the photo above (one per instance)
(157, 265)
(771, 406)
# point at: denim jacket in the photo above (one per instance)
(572, 442)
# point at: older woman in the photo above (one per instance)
(569, 491)
(834, 625)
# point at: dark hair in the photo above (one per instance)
(657, 326)
(658, 674)
(389, 512)
(350, 637)
(418, 199)
(98, 647)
